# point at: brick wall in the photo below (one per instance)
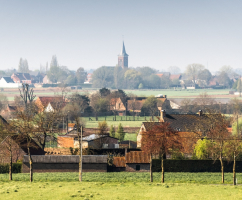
(65, 142)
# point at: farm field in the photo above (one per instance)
(181, 93)
(123, 185)
(171, 93)
(92, 123)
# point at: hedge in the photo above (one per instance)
(195, 166)
(16, 168)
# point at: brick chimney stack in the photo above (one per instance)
(200, 112)
(162, 115)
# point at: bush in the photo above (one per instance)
(16, 168)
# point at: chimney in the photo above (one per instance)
(162, 115)
(200, 112)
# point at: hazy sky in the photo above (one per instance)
(89, 33)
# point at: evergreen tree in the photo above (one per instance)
(112, 131)
(120, 133)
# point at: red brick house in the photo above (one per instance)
(21, 78)
(187, 126)
(117, 105)
(42, 102)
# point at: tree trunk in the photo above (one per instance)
(80, 155)
(151, 172)
(222, 167)
(162, 169)
(30, 168)
(10, 165)
(234, 173)
(30, 164)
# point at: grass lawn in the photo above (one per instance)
(131, 137)
(92, 123)
(122, 185)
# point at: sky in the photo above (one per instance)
(90, 33)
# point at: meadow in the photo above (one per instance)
(171, 93)
(120, 185)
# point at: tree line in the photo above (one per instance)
(149, 78)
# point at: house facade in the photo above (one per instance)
(21, 78)
(187, 125)
(7, 82)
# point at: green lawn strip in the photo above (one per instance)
(101, 190)
(170, 177)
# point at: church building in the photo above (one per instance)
(123, 58)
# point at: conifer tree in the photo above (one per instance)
(112, 131)
(120, 132)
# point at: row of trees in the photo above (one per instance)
(146, 77)
(62, 74)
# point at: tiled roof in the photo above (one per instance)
(175, 76)
(71, 125)
(46, 100)
(160, 75)
(137, 157)
(180, 122)
(119, 162)
(8, 79)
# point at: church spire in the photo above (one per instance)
(123, 52)
(123, 58)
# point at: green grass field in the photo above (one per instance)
(121, 185)
(178, 93)
(110, 121)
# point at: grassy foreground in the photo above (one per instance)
(123, 185)
(99, 190)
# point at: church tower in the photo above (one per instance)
(123, 58)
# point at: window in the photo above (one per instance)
(137, 167)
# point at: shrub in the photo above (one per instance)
(17, 167)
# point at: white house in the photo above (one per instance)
(7, 82)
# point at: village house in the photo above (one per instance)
(187, 125)
(94, 141)
(134, 105)
(46, 80)
(21, 78)
(43, 102)
(117, 105)
(7, 82)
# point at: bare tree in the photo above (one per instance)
(193, 70)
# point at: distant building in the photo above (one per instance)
(123, 58)
(46, 80)
(7, 82)
(21, 78)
